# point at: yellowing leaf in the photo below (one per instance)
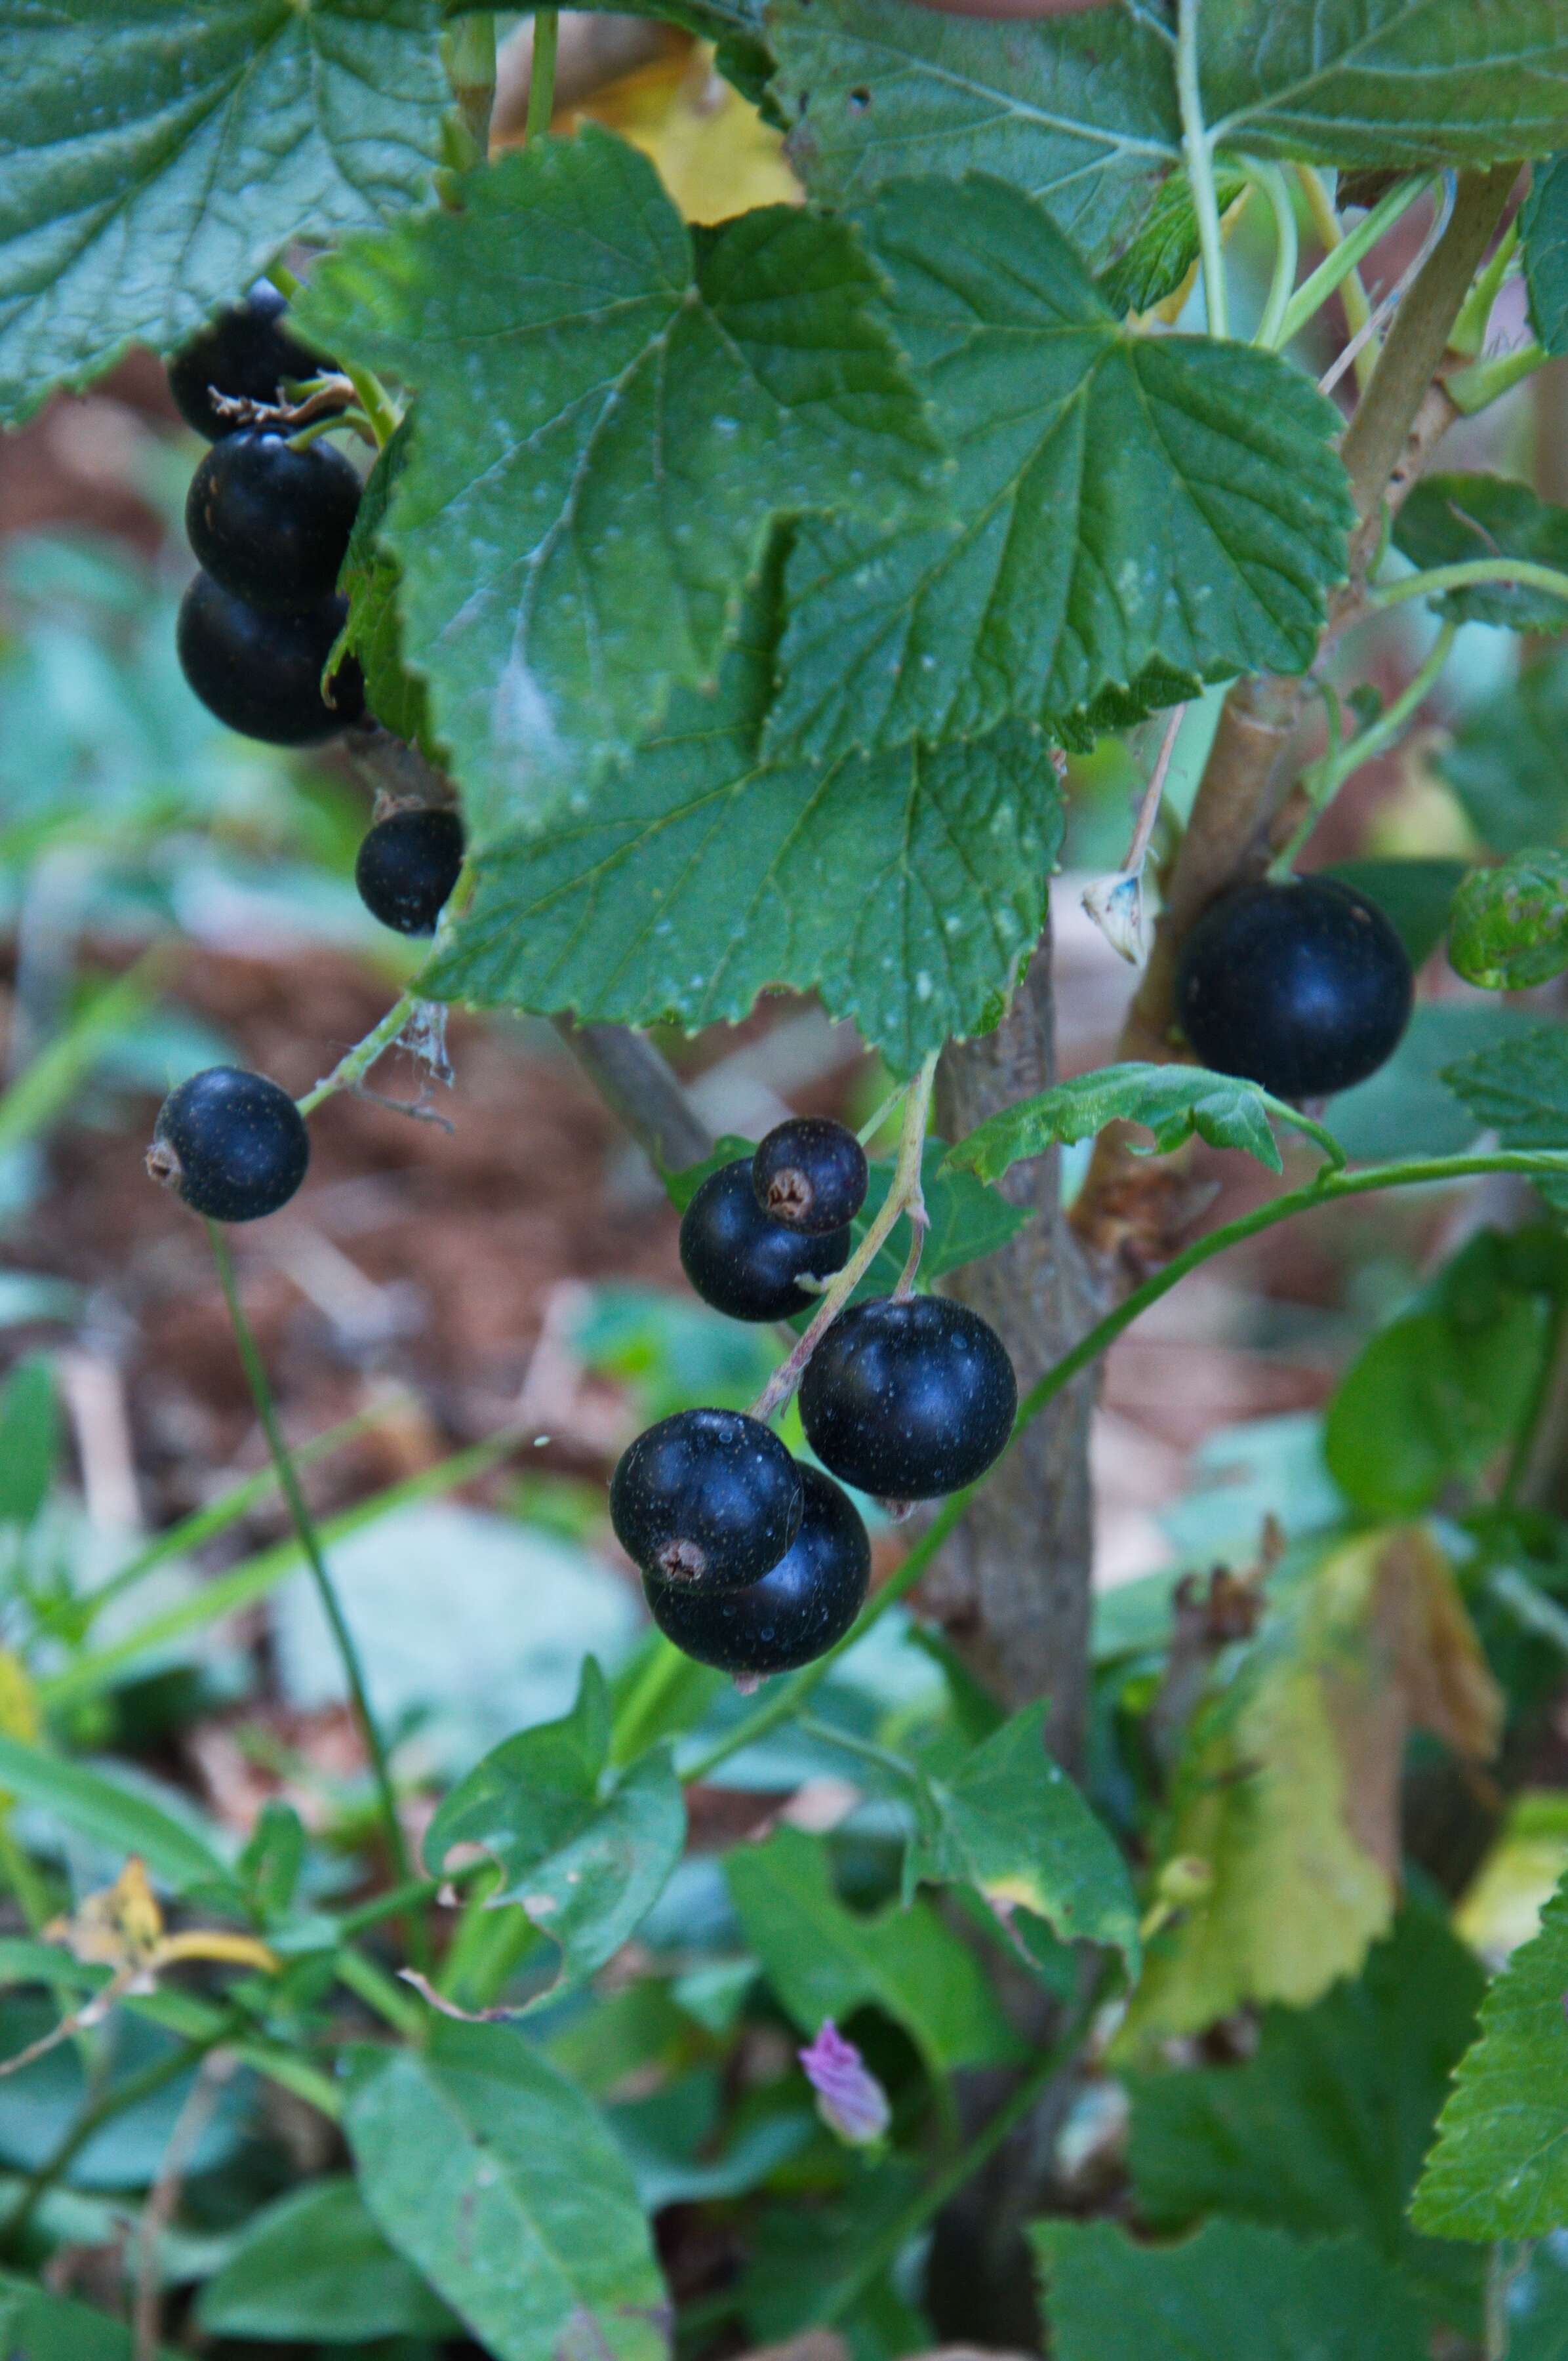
(1501, 1906)
(712, 149)
(1288, 1784)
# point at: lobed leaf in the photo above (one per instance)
(1520, 1089)
(903, 889)
(1543, 231)
(1173, 1102)
(1233, 2294)
(585, 1856)
(1509, 762)
(1131, 508)
(154, 159)
(500, 2182)
(1509, 927)
(613, 408)
(1450, 519)
(1500, 2169)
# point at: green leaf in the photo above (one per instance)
(1322, 2131)
(1012, 1824)
(967, 1221)
(1449, 520)
(117, 1817)
(1129, 504)
(1439, 1391)
(612, 409)
(906, 890)
(1164, 249)
(153, 160)
(268, 1866)
(29, 1439)
(824, 1961)
(1233, 2294)
(1500, 2169)
(586, 1855)
(1173, 1102)
(1509, 926)
(370, 580)
(35, 2326)
(1509, 762)
(1543, 229)
(1521, 1091)
(1413, 895)
(314, 2267)
(499, 2181)
(1406, 1108)
(1082, 111)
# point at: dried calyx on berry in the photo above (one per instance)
(811, 1174)
(708, 1498)
(792, 1614)
(742, 1263)
(245, 355)
(231, 1145)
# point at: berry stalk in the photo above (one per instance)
(903, 1197)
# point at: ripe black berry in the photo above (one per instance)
(811, 1174)
(247, 351)
(745, 1265)
(797, 1610)
(1304, 987)
(408, 865)
(907, 1400)
(271, 523)
(259, 671)
(708, 1498)
(233, 1145)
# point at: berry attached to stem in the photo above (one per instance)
(1303, 987)
(408, 864)
(796, 1613)
(909, 1398)
(742, 1263)
(270, 523)
(810, 1174)
(230, 1144)
(244, 353)
(260, 672)
(708, 1498)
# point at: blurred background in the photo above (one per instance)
(171, 897)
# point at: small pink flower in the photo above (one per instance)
(849, 2099)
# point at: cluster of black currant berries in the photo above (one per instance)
(751, 1561)
(269, 520)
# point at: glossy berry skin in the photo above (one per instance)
(232, 1144)
(811, 1174)
(742, 1263)
(407, 866)
(1303, 987)
(259, 669)
(909, 1399)
(797, 1610)
(709, 1498)
(245, 351)
(270, 523)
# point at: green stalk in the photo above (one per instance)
(471, 70)
(1324, 779)
(1486, 380)
(1329, 1187)
(1287, 252)
(1346, 250)
(389, 2001)
(310, 1542)
(1475, 570)
(1199, 152)
(542, 73)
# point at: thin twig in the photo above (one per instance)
(163, 2198)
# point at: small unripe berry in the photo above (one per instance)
(811, 1174)
(231, 1144)
(707, 1499)
(742, 1263)
(795, 1612)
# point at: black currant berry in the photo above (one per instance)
(907, 1400)
(1304, 987)
(244, 352)
(745, 1265)
(233, 1145)
(709, 1498)
(798, 1609)
(261, 671)
(271, 523)
(810, 1174)
(406, 867)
